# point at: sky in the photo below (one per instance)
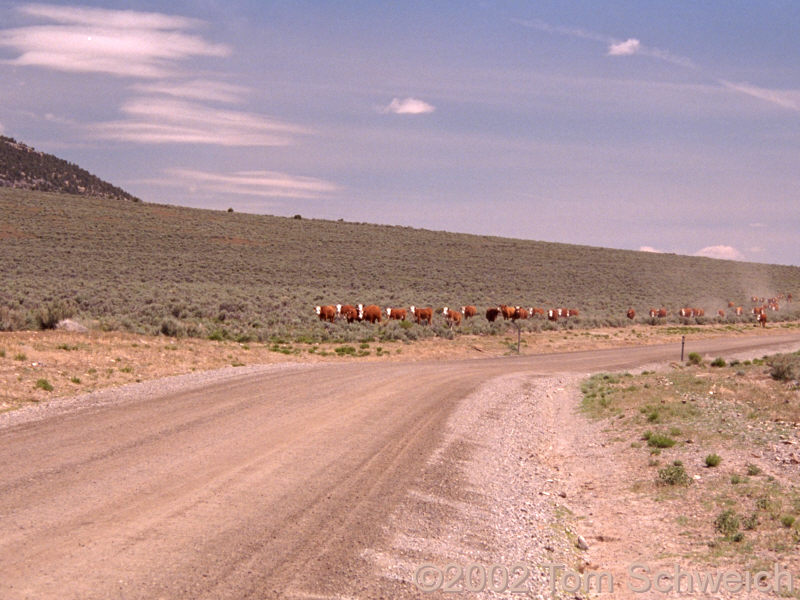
(655, 126)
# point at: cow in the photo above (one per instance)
(453, 316)
(422, 314)
(397, 314)
(520, 313)
(757, 310)
(348, 311)
(731, 304)
(687, 312)
(469, 311)
(699, 312)
(572, 312)
(491, 313)
(553, 314)
(631, 314)
(721, 313)
(371, 313)
(662, 313)
(788, 297)
(739, 311)
(762, 318)
(507, 312)
(536, 312)
(653, 313)
(326, 313)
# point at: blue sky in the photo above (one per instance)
(666, 126)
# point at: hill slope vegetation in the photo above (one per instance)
(182, 271)
(23, 167)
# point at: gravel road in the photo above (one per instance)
(296, 481)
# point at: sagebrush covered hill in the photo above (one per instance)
(23, 167)
(182, 271)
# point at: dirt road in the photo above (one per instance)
(268, 484)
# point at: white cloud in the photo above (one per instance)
(93, 40)
(783, 98)
(723, 252)
(408, 106)
(249, 183)
(198, 89)
(160, 120)
(650, 249)
(626, 48)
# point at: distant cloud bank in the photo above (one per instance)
(722, 252)
(650, 249)
(408, 106)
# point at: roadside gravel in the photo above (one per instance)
(488, 496)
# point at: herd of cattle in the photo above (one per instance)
(372, 313)
(758, 310)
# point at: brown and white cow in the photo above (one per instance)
(631, 314)
(762, 318)
(396, 314)
(507, 312)
(572, 312)
(492, 313)
(422, 314)
(553, 314)
(699, 312)
(326, 313)
(469, 311)
(347, 311)
(687, 312)
(520, 313)
(371, 313)
(739, 311)
(453, 316)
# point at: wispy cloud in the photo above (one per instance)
(723, 252)
(198, 89)
(789, 99)
(615, 47)
(165, 120)
(650, 249)
(249, 183)
(408, 106)
(95, 40)
(786, 99)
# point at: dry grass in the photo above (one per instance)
(743, 511)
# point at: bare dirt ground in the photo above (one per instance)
(74, 363)
(332, 480)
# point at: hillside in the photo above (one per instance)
(23, 167)
(150, 268)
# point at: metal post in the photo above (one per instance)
(519, 336)
(683, 341)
